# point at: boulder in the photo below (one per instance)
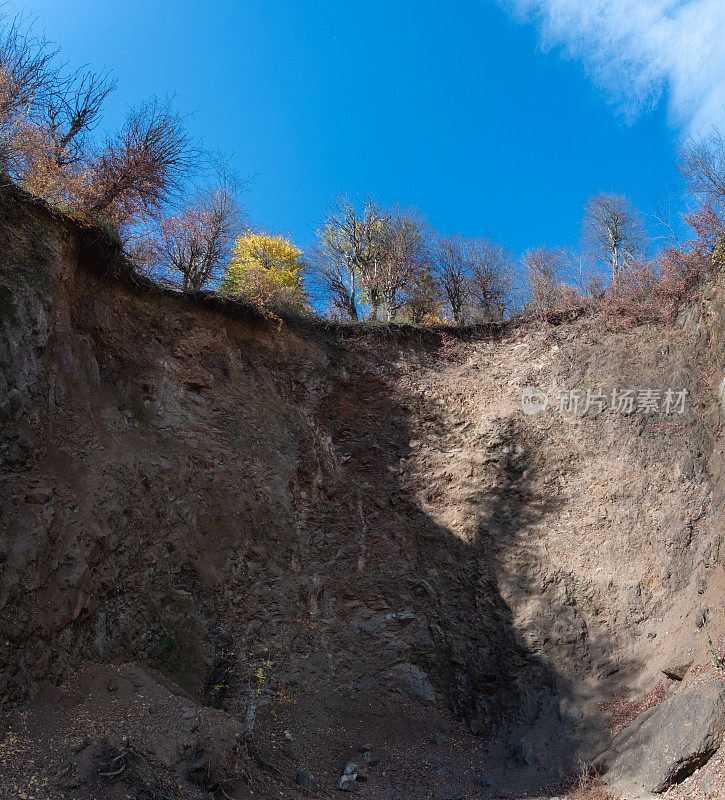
(668, 742)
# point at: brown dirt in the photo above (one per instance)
(373, 523)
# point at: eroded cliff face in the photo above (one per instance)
(184, 487)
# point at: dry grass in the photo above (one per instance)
(622, 712)
(588, 785)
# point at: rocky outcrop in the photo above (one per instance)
(188, 487)
(669, 742)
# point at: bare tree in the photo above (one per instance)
(403, 253)
(543, 268)
(72, 111)
(613, 231)
(195, 243)
(663, 215)
(491, 276)
(338, 282)
(702, 163)
(28, 79)
(138, 171)
(424, 300)
(477, 277)
(45, 114)
(587, 281)
(452, 269)
(347, 252)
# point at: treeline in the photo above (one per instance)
(177, 212)
(387, 264)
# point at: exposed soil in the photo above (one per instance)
(365, 531)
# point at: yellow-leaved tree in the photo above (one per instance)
(268, 272)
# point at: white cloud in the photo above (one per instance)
(640, 50)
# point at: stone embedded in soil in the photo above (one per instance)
(357, 770)
(569, 710)
(346, 783)
(677, 667)
(304, 780)
(703, 616)
(39, 495)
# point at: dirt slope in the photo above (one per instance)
(375, 524)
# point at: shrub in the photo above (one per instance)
(631, 299)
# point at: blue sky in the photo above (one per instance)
(494, 118)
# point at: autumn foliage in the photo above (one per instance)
(383, 263)
(47, 116)
(190, 247)
(267, 272)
